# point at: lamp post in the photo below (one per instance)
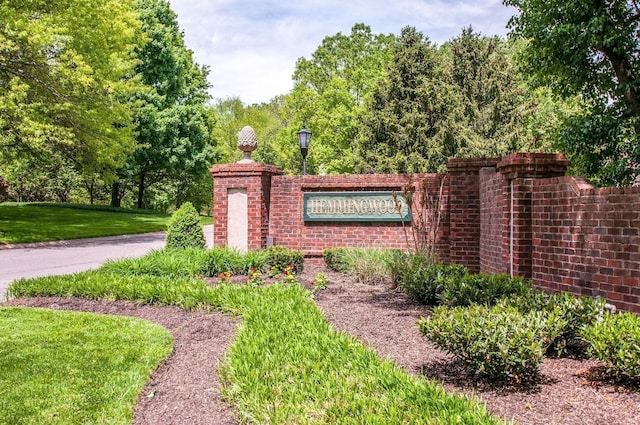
(304, 138)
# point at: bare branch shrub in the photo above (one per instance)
(422, 232)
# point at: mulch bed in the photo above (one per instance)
(185, 390)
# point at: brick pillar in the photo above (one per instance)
(464, 210)
(256, 180)
(519, 170)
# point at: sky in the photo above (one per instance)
(251, 46)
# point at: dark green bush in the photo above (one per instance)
(336, 259)
(184, 230)
(576, 312)
(482, 288)
(615, 340)
(498, 343)
(281, 257)
(424, 281)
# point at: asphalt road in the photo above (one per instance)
(46, 259)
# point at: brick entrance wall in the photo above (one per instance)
(587, 241)
(519, 214)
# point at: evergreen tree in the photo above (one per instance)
(410, 121)
(495, 102)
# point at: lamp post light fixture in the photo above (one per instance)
(304, 138)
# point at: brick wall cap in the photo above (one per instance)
(533, 165)
(457, 165)
(237, 170)
(520, 158)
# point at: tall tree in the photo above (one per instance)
(589, 48)
(495, 101)
(173, 137)
(409, 125)
(329, 92)
(61, 63)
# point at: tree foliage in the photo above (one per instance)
(329, 92)
(409, 125)
(592, 49)
(464, 99)
(495, 102)
(61, 64)
(173, 130)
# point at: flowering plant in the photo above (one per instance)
(289, 274)
(320, 282)
(255, 277)
(274, 272)
(225, 277)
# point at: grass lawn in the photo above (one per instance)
(74, 368)
(287, 365)
(40, 222)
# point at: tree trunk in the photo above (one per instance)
(115, 195)
(140, 190)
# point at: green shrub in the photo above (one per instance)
(615, 340)
(424, 281)
(497, 343)
(184, 230)
(336, 260)
(576, 313)
(280, 257)
(368, 265)
(481, 288)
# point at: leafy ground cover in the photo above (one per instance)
(25, 222)
(70, 368)
(292, 363)
(287, 364)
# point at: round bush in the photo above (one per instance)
(615, 340)
(184, 230)
(281, 257)
(498, 343)
(424, 281)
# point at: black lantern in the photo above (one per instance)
(304, 138)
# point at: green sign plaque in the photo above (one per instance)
(354, 206)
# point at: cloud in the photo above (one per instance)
(251, 46)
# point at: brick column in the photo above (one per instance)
(464, 210)
(256, 180)
(519, 170)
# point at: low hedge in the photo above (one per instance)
(336, 259)
(482, 288)
(615, 340)
(496, 343)
(280, 257)
(425, 282)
